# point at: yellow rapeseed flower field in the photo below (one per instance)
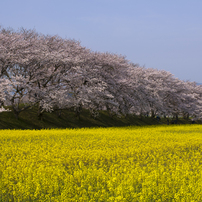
(158, 163)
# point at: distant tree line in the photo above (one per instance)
(53, 73)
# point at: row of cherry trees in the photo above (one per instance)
(55, 73)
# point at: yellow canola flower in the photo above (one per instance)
(161, 163)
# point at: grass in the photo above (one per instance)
(28, 120)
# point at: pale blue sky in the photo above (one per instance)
(162, 34)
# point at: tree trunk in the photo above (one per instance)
(141, 115)
(40, 113)
(16, 112)
(109, 112)
(78, 111)
(152, 114)
(59, 113)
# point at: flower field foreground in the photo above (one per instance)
(161, 163)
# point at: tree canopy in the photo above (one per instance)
(55, 73)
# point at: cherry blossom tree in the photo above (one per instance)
(55, 74)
